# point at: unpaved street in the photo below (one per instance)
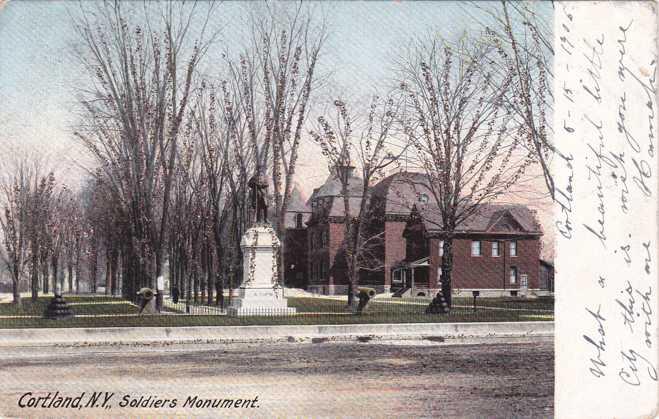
(391, 379)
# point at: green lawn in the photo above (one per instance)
(79, 304)
(509, 302)
(310, 311)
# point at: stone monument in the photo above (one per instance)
(260, 293)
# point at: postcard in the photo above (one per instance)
(328, 209)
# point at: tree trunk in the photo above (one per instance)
(195, 278)
(173, 280)
(219, 283)
(55, 264)
(447, 267)
(188, 289)
(45, 277)
(441, 304)
(204, 272)
(34, 278)
(70, 276)
(114, 262)
(77, 263)
(349, 241)
(210, 274)
(93, 266)
(15, 281)
(281, 267)
(108, 272)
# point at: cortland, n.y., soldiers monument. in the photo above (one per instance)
(260, 292)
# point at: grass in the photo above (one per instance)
(508, 302)
(83, 305)
(311, 311)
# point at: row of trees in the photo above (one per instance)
(176, 148)
(44, 229)
(175, 145)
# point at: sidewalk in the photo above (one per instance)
(284, 333)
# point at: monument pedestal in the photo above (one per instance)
(260, 294)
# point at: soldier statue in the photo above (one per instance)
(258, 193)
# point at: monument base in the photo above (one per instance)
(260, 302)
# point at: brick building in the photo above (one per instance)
(325, 233)
(496, 251)
(295, 241)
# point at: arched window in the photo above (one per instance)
(298, 221)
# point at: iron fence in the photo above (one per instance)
(306, 307)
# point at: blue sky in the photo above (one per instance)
(38, 73)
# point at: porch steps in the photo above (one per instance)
(400, 293)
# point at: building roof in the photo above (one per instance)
(329, 195)
(397, 194)
(296, 205)
(296, 202)
(489, 218)
(332, 187)
(338, 207)
(401, 191)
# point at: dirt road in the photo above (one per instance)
(393, 379)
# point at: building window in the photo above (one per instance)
(513, 248)
(298, 221)
(323, 240)
(476, 248)
(423, 198)
(513, 275)
(441, 248)
(495, 249)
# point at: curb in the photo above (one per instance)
(240, 334)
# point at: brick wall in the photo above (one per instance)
(316, 255)
(394, 247)
(487, 271)
(337, 273)
(295, 258)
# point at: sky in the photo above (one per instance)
(38, 72)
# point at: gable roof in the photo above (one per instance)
(296, 205)
(486, 219)
(296, 202)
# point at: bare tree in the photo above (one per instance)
(522, 37)
(344, 149)
(275, 78)
(26, 196)
(462, 132)
(40, 235)
(226, 162)
(141, 80)
(14, 222)
(71, 232)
